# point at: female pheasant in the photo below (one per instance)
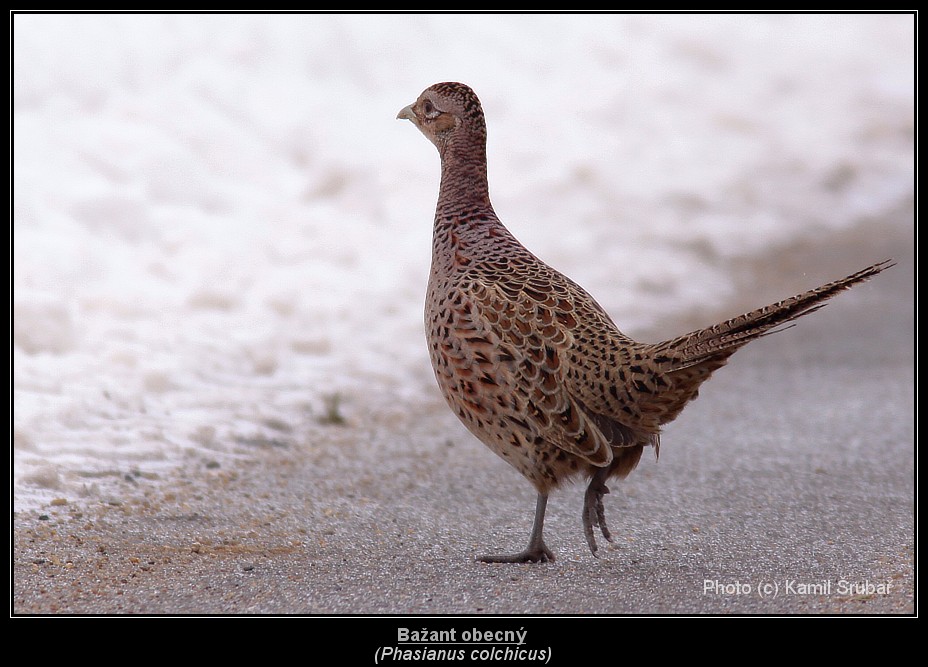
(529, 361)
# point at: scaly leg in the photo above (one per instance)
(536, 551)
(594, 514)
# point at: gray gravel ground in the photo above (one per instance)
(788, 487)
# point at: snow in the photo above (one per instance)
(219, 225)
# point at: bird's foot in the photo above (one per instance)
(538, 553)
(594, 514)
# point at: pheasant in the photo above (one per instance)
(529, 361)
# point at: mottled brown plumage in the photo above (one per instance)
(528, 360)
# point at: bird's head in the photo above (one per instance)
(445, 111)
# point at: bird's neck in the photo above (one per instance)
(464, 188)
(464, 218)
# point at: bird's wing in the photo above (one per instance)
(531, 330)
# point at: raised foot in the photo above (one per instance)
(540, 554)
(594, 514)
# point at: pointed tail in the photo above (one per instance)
(718, 342)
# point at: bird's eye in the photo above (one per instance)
(429, 109)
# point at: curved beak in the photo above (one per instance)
(406, 113)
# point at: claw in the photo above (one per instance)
(594, 513)
(589, 518)
(601, 514)
(536, 551)
(533, 554)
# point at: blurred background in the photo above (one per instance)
(222, 234)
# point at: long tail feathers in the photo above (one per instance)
(720, 341)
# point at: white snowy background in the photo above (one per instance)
(218, 223)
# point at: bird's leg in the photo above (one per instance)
(594, 514)
(536, 551)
